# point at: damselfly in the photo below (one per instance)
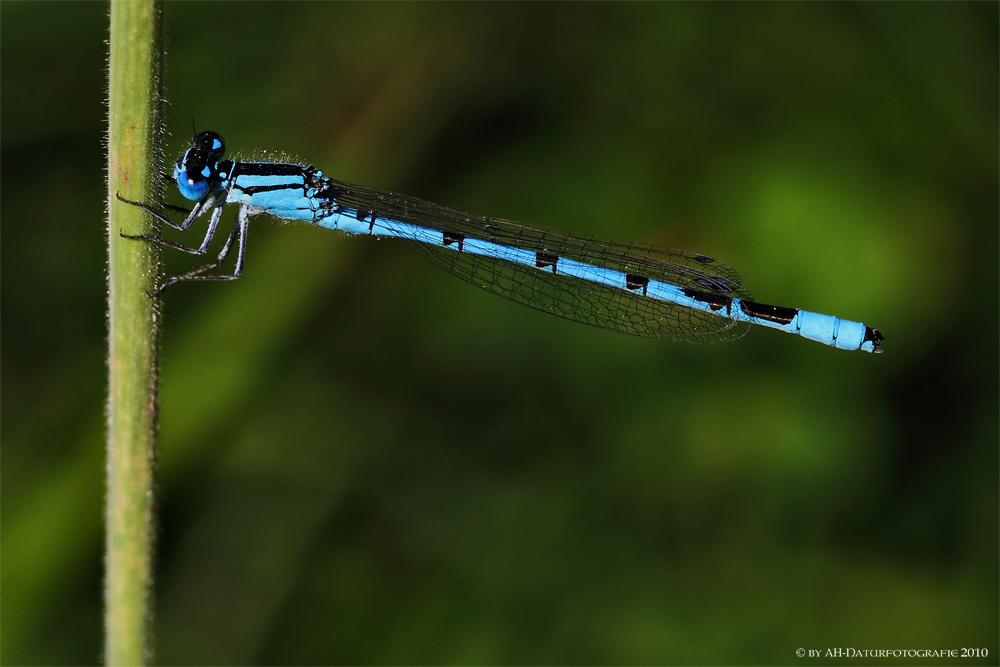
(622, 286)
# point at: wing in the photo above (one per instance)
(543, 288)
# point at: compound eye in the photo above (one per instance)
(193, 186)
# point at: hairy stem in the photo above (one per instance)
(134, 158)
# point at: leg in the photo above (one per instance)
(212, 225)
(239, 230)
(199, 210)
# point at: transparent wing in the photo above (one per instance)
(607, 307)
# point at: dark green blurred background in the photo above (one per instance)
(365, 460)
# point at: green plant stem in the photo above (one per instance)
(134, 158)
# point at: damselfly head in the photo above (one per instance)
(196, 168)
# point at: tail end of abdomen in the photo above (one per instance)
(873, 341)
(841, 334)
